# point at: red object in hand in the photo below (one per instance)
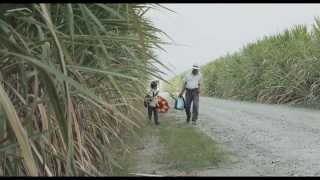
(163, 105)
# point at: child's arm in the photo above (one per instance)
(157, 99)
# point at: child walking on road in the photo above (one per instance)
(153, 102)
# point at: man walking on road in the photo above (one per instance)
(191, 85)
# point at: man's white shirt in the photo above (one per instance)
(192, 80)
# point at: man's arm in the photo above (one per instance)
(200, 80)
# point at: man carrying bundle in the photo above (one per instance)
(191, 85)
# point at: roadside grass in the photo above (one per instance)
(187, 148)
(125, 155)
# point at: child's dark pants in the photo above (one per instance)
(155, 114)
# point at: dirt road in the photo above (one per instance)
(267, 140)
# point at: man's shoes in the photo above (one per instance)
(194, 123)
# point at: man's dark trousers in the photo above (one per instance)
(192, 95)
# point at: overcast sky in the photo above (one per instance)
(208, 31)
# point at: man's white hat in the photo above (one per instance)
(195, 66)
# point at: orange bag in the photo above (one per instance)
(163, 105)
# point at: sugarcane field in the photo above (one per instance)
(159, 89)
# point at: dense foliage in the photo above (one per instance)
(71, 78)
(283, 68)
